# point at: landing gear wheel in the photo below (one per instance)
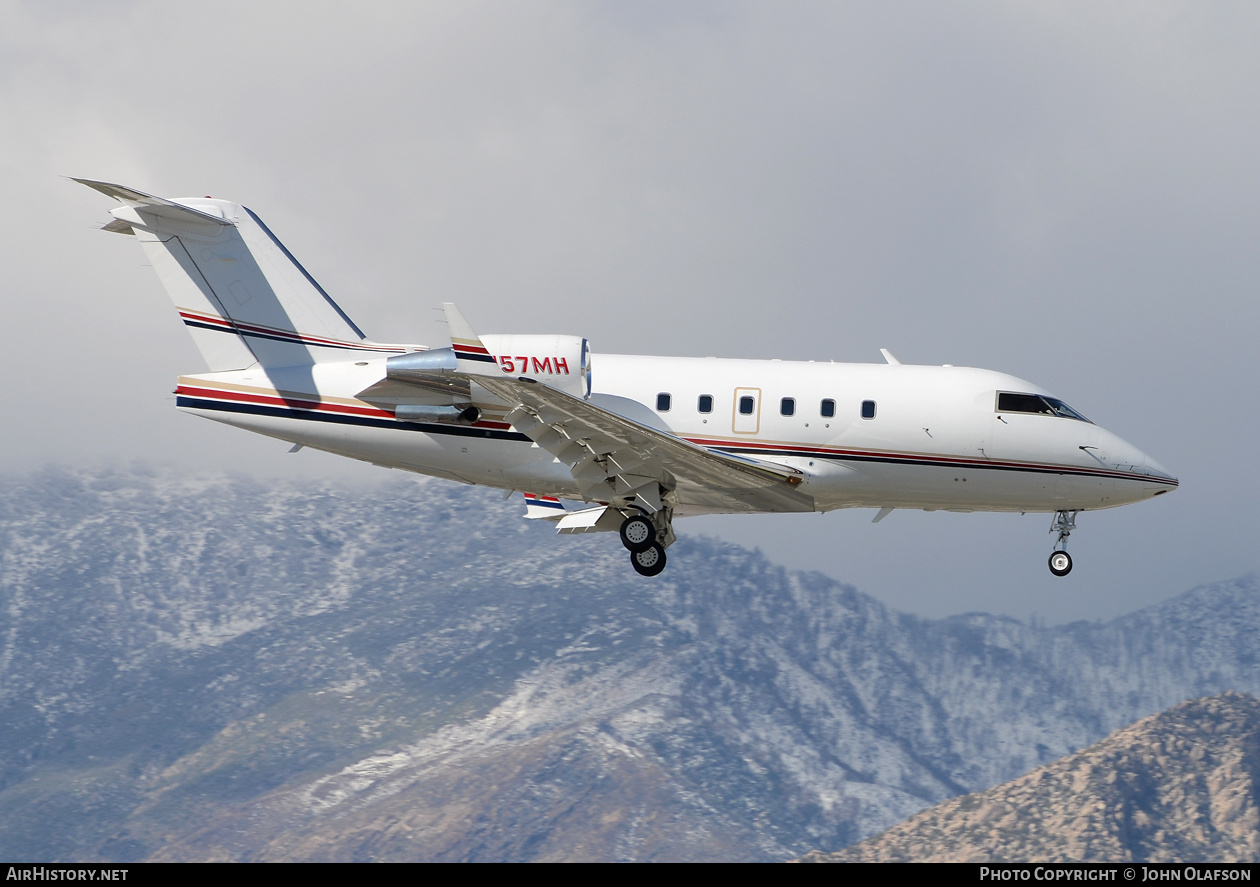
(648, 562)
(638, 534)
(1060, 563)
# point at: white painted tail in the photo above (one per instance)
(242, 295)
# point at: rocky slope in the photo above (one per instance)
(1181, 786)
(217, 668)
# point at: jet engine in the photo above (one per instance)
(432, 392)
(562, 362)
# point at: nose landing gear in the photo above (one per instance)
(1064, 523)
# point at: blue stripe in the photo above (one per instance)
(198, 403)
(277, 337)
(947, 463)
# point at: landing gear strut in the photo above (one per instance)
(1064, 523)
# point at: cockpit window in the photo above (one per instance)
(1011, 402)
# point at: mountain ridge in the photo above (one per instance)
(1178, 786)
(178, 655)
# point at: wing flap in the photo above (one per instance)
(611, 456)
(600, 519)
(616, 461)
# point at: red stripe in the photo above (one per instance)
(205, 318)
(273, 331)
(274, 400)
(304, 404)
(324, 407)
(920, 457)
(471, 349)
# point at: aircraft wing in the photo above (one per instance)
(612, 457)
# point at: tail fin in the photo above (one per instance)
(243, 296)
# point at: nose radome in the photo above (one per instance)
(1125, 454)
(1153, 467)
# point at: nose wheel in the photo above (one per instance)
(1060, 563)
(1064, 523)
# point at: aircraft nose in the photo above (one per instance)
(1144, 464)
(1154, 468)
(1127, 457)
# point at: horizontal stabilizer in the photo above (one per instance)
(158, 206)
(543, 507)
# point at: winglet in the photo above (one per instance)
(465, 343)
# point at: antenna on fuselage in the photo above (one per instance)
(888, 356)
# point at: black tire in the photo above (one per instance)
(648, 562)
(637, 534)
(1060, 563)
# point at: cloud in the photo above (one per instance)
(1063, 191)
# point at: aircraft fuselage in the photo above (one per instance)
(898, 436)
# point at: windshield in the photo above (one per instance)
(1041, 404)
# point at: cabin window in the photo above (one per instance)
(828, 409)
(1039, 404)
(746, 405)
(662, 403)
(787, 406)
(868, 409)
(706, 403)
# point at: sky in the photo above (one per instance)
(1067, 192)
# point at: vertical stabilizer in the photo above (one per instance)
(241, 293)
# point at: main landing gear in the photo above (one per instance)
(641, 538)
(1064, 523)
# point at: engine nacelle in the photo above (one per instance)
(562, 362)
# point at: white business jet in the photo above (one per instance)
(632, 441)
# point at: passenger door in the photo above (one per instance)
(747, 412)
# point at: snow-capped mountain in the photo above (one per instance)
(225, 668)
